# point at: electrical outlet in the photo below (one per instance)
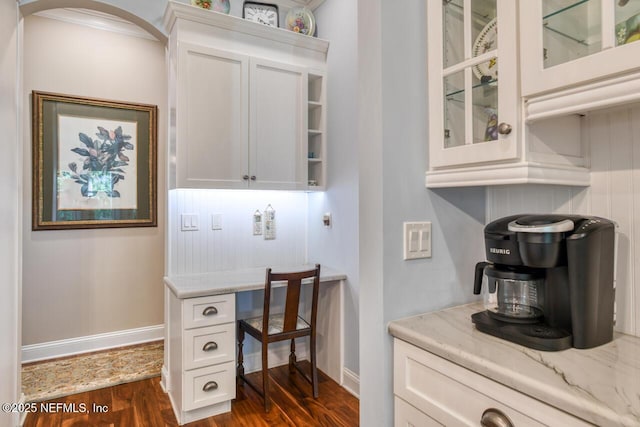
(417, 240)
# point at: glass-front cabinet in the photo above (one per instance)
(574, 42)
(472, 81)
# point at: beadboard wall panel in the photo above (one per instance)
(235, 246)
(613, 137)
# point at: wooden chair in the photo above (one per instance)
(289, 325)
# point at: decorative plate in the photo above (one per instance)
(486, 41)
(300, 20)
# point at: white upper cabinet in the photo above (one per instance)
(476, 132)
(216, 130)
(472, 82)
(578, 55)
(278, 130)
(240, 106)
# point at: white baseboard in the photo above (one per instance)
(72, 346)
(351, 382)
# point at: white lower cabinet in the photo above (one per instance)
(201, 360)
(430, 390)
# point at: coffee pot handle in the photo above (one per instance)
(477, 280)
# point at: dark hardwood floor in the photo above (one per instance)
(143, 403)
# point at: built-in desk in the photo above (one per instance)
(200, 349)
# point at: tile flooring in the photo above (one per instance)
(54, 378)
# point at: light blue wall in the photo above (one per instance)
(457, 215)
(338, 246)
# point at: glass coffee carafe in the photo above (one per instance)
(511, 294)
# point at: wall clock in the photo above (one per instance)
(263, 13)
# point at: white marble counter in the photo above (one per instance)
(230, 281)
(600, 385)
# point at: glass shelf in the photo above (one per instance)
(572, 29)
(457, 94)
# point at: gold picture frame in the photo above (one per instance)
(94, 163)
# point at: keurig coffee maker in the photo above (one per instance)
(548, 281)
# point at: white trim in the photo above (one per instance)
(79, 345)
(351, 382)
(187, 12)
(96, 20)
(509, 173)
(580, 100)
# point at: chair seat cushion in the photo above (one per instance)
(276, 323)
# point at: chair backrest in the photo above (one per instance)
(292, 301)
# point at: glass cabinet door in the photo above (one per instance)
(570, 40)
(466, 80)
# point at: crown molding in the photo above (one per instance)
(176, 10)
(97, 20)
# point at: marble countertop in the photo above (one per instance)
(230, 281)
(600, 385)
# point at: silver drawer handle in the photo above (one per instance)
(210, 386)
(210, 346)
(210, 311)
(493, 417)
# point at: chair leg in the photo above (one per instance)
(292, 356)
(240, 368)
(265, 377)
(314, 369)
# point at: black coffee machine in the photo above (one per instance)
(549, 281)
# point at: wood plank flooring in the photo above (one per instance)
(143, 403)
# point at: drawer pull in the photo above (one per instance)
(210, 346)
(210, 386)
(493, 417)
(210, 311)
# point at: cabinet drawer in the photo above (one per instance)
(407, 416)
(435, 386)
(208, 311)
(208, 386)
(209, 345)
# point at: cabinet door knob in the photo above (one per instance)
(210, 346)
(245, 177)
(253, 177)
(493, 417)
(210, 311)
(210, 386)
(504, 128)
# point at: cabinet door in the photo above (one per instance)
(212, 118)
(570, 42)
(278, 126)
(472, 88)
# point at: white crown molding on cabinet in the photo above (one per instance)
(97, 20)
(518, 173)
(79, 345)
(228, 22)
(582, 99)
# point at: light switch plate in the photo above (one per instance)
(189, 222)
(216, 221)
(417, 240)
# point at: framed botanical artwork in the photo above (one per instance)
(94, 163)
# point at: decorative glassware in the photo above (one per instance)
(222, 6)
